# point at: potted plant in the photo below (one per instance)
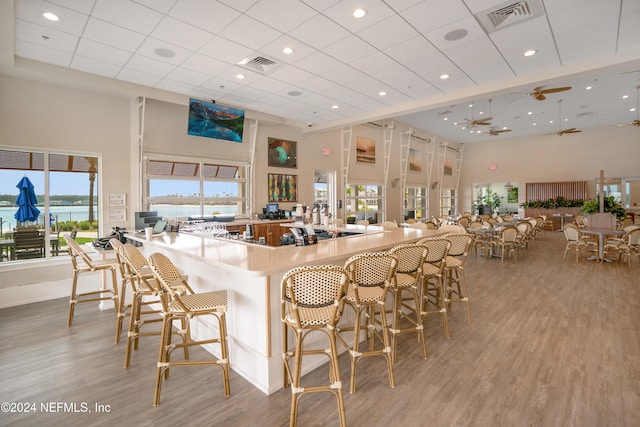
(592, 206)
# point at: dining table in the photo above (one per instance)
(487, 233)
(601, 233)
(562, 217)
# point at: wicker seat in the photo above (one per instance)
(405, 289)
(184, 308)
(82, 263)
(311, 305)
(370, 276)
(433, 290)
(454, 271)
(576, 241)
(625, 246)
(122, 309)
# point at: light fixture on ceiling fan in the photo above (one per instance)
(486, 121)
(539, 92)
(563, 131)
(493, 131)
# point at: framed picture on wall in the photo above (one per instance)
(283, 153)
(415, 160)
(448, 167)
(365, 150)
(282, 187)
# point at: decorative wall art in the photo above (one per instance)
(282, 188)
(448, 167)
(283, 153)
(415, 160)
(211, 120)
(512, 195)
(365, 150)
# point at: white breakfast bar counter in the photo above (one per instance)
(251, 274)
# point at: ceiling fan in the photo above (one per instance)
(563, 131)
(539, 92)
(485, 121)
(496, 132)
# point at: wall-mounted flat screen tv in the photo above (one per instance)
(211, 120)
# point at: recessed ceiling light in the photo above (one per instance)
(359, 13)
(625, 96)
(335, 107)
(164, 52)
(478, 132)
(632, 109)
(530, 113)
(566, 120)
(382, 93)
(446, 118)
(444, 76)
(551, 121)
(588, 87)
(530, 52)
(455, 123)
(240, 76)
(470, 105)
(287, 50)
(51, 16)
(481, 113)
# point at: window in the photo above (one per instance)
(364, 201)
(448, 202)
(415, 203)
(65, 186)
(194, 187)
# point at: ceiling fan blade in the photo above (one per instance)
(556, 89)
(540, 97)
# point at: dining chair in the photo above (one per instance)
(507, 242)
(624, 246)
(311, 305)
(418, 225)
(405, 289)
(370, 276)
(389, 224)
(576, 241)
(184, 308)
(82, 263)
(28, 243)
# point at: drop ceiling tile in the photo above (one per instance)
(393, 75)
(344, 75)
(32, 33)
(189, 77)
(469, 24)
(258, 36)
(349, 49)
(269, 84)
(240, 5)
(82, 6)
(319, 32)
(320, 5)
(180, 34)
(389, 32)
(207, 15)
(400, 5)
(103, 53)
(284, 14)
(318, 63)
(39, 53)
(290, 74)
(113, 35)
(138, 77)
(526, 35)
(249, 93)
(204, 64)
(149, 66)
(222, 85)
(225, 50)
(127, 14)
(162, 6)
(70, 21)
(94, 66)
(175, 86)
(431, 15)
(411, 50)
(376, 62)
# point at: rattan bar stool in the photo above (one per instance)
(405, 288)
(433, 288)
(311, 303)
(82, 263)
(454, 271)
(370, 276)
(122, 309)
(184, 308)
(146, 291)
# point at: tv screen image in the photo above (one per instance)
(272, 208)
(211, 120)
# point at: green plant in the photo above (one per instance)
(592, 206)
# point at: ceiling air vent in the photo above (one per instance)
(509, 13)
(258, 63)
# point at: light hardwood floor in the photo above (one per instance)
(552, 343)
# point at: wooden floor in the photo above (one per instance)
(552, 343)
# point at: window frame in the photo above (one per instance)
(379, 214)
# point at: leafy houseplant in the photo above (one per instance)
(592, 206)
(487, 197)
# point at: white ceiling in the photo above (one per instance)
(399, 47)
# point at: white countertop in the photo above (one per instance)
(259, 260)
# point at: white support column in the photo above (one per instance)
(346, 137)
(253, 132)
(405, 145)
(387, 139)
(141, 109)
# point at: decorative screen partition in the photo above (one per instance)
(540, 191)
